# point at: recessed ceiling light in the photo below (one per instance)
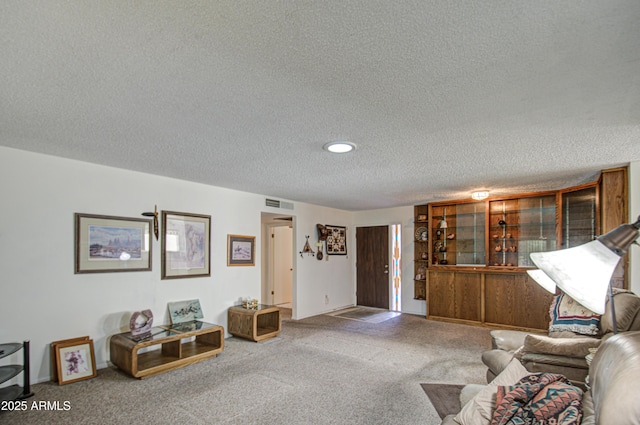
(339, 147)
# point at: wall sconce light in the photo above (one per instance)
(480, 195)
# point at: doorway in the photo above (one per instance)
(282, 237)
(372, 275)
(278, 279)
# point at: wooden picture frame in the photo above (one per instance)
(185, 311)
(52, 348)
(75, 360)
(105, 244)
(241, 250)
(186, 245)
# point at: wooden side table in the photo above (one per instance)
(178, 346)
(254, 324)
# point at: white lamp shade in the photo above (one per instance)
(582, 272)
(543, 280)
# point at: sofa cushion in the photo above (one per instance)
(569, 347)
(569, 315)
(627, 312)
(479, 409)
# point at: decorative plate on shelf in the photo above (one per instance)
(421, 234)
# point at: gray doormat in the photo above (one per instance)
(365, 314)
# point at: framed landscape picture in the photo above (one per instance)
(185, 311)
(241, 250)
(111, 244)
(186, 245)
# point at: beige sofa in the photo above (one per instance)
(560, 352)
(614, 377)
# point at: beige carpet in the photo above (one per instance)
(320, 370)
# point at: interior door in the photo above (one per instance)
(372, 261)
(283, 265)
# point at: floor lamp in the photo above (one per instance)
(584, 272)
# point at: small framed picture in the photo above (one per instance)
(186, 245)
(241, 250)
(111, 244)
(54, 353)
(336, 240)
(75, 361)
(185, 311)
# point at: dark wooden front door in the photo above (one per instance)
(372, 266)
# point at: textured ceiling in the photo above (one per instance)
(441, 97)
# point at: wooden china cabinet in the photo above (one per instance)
(420, 251)
(477, 252)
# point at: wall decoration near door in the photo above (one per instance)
(322, 237)
(307, 249)
(240, 250)
(336, 240)
(111, 244)
(186, 245)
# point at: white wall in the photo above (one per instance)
(634, 212)
(404, 217)
(41, 299)
(333, 276)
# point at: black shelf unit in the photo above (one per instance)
(7, 372)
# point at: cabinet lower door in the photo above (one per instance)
(455, 295)
(514, 299)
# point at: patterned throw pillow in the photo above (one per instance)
(568, 315)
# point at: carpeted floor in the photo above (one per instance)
(319, 370)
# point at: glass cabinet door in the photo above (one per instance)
(470, 234)
(579, 218)
(519, 227)
(458, 234)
